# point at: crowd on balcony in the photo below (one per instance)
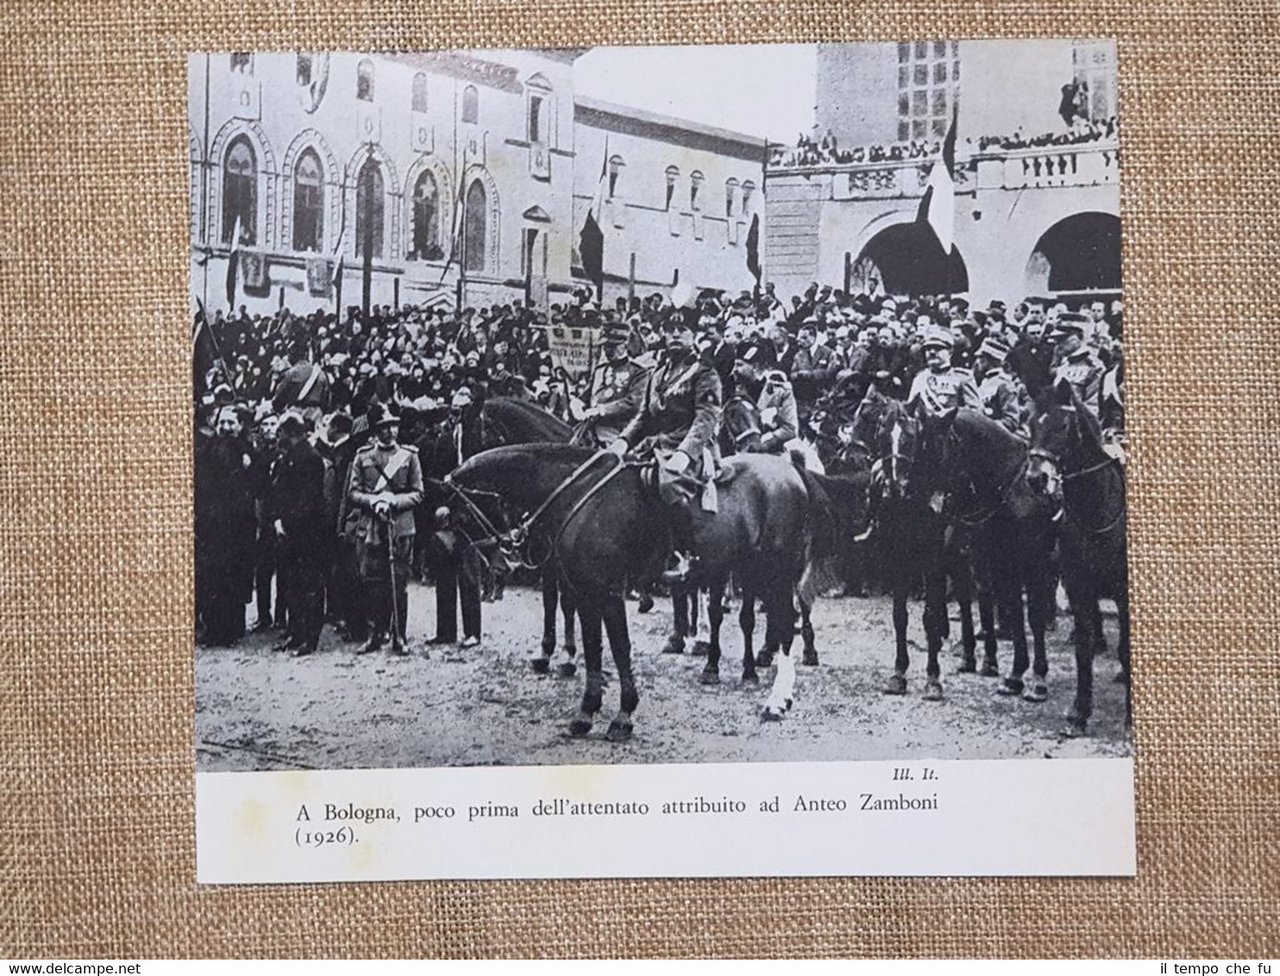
(826, 151)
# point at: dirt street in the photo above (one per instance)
(441, 706)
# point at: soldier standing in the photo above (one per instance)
(384, 488)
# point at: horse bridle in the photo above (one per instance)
(1053, 459)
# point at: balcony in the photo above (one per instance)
(1084, 164)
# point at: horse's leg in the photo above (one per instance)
(1011, 614)
(935, 627)
(700, 623)
(567, 668)
(900, 583)
(770, 646)
(615, 622)
(747, 621)
(592, 654)
(806, 634)
(1084, 610)
(1036, 613)
(542, 664)
(679, 620)
(715, 610)
(782, 621)
(964, 587)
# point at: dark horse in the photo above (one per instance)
(910, 536)
(1067, 450)
(510, 420)
(1010, 530)
(593, 520)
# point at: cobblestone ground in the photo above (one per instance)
(443, 706)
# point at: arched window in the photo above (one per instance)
(364, 81)
(308, 203)
(748, 193)
(420, 92)
(475, 220)
(240, 192)
(695, 186)
(470, 104)
(673, 176)
(369, 209)
(615, 170)
(730, 191)
(426, 218)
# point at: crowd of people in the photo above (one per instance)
(811, 150)
(322, 443)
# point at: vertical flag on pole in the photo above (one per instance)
(591, 239)
(233, 265)
(938, 206)
(753, 248)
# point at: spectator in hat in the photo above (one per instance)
(296, 515)
(303, 386)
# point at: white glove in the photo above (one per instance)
(618, 447)
(678, 462)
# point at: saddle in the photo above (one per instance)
(675, 489)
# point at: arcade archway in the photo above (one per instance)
(1080, 253)
(906, 259)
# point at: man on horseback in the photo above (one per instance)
(940, 386)
(676, 425)
(1077, 365)
(999, 395)
(617, 387)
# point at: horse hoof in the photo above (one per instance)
(1010, 686)
(771, 713)
(764, 659)
(967, 667)
(1038, 692)
(810, 659)
(579, 727)
(709, 678)
(567, 670)
(1075, 728)
(619, 730)
(674, 645)
(645, 605)
(989, 670)
(897, 685)
(751, 679)
(540, 665)
(701, 648)
(933, 691)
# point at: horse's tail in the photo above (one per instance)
(820, 538)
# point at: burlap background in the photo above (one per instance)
(95, 531)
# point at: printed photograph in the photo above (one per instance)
(658, 405)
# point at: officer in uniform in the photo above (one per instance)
(384, 488)
(941, 386)
(676, 425)
(1076, 363)
(997, 389)
(617, 387)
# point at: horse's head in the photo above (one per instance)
(1058, 436)
(898, 441)
(741, 421)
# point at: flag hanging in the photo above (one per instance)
(591, 239)
(938, 207)
(340, 254)
(233, 265)
(753, 248)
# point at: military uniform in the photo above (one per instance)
(680, 412)
(998, 391)
(391, 474)
(618, 390)
(1083, 371)
(941, 391)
